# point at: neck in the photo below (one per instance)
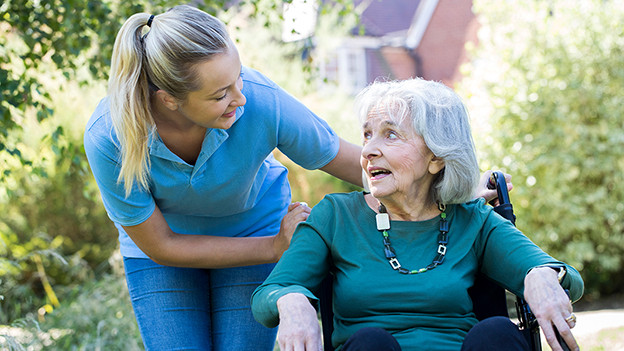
(412, 213)
(167, 119)
(406, 210)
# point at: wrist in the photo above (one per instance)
(289, 301)
(277, 248)
(560, 270)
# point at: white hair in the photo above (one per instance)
(438, 115)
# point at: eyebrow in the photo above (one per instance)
(225, 88)
(384, 124)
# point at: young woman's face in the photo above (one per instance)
(214, 104)
(395, 159)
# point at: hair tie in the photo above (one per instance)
(149, 21)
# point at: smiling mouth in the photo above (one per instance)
(230, 114)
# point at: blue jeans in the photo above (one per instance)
(197, 309)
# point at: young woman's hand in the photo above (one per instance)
(297, 213)
(490, 194)
(551, 306)
(299, 327)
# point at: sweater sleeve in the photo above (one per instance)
(508, 255)
(301, 269)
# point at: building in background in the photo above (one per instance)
(399, 39)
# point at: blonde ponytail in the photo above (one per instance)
(129, 102)
(163, 58)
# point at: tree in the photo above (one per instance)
(545, 85)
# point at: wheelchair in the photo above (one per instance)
(489, 299)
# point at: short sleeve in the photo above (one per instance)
(303, 136)
(103, 157)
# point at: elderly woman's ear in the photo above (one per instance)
(436, 165)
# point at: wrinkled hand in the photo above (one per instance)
(299, 328)
(491, 194)
(550, 305)
(297, 213)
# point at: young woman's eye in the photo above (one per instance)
(222, 97)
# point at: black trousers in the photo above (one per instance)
(496, 333)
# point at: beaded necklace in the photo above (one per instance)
(383, 224)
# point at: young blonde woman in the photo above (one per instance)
(181, 151)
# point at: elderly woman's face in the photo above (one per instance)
(395, 159)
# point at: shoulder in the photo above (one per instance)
(100, 123)
(342, 200)
(334, 212)
(99, 131)
(473, 208)
(476, 213)
(100, 116)
(254, 80)
(337, 205)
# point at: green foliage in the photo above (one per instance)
(53, 229)
(96, 315)
(69, 37)
(547, 80)
(56, 218)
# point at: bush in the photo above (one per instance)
(546, 84)
(54, 230)
(95, 315)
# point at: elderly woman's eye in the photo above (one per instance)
(392, 135)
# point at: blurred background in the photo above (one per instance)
(543, 81)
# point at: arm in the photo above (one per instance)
(161, 244)
(512, 260)
(346, 164)
(300, 271)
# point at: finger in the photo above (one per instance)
(549, 334)
(295, 205)
(313, 345)
(566, 334)
(283, 345)
(508, 181)
(299, 346)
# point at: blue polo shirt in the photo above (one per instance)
(235, 188)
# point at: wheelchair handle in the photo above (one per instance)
(497, 181)
(505, 209)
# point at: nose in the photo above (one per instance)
(239, 98)
(370, 149)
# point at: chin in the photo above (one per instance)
(225, 126)
(379, 193)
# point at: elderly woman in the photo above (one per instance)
(405, 254)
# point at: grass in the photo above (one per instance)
(606, 340)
